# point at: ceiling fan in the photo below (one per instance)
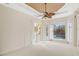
(47, 14)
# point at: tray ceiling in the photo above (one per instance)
(51, 7)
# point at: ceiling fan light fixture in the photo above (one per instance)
(49, 15)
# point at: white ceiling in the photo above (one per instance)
(67, 9)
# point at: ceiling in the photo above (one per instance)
(51, 7)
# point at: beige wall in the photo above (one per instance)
(15, 29)
(78, 31)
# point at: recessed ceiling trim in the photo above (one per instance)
(51, 7)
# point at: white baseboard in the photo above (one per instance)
(10, 50)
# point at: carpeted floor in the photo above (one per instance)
(46, 49)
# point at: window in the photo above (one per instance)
(57, 31)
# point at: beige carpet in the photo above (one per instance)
(46, 49)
